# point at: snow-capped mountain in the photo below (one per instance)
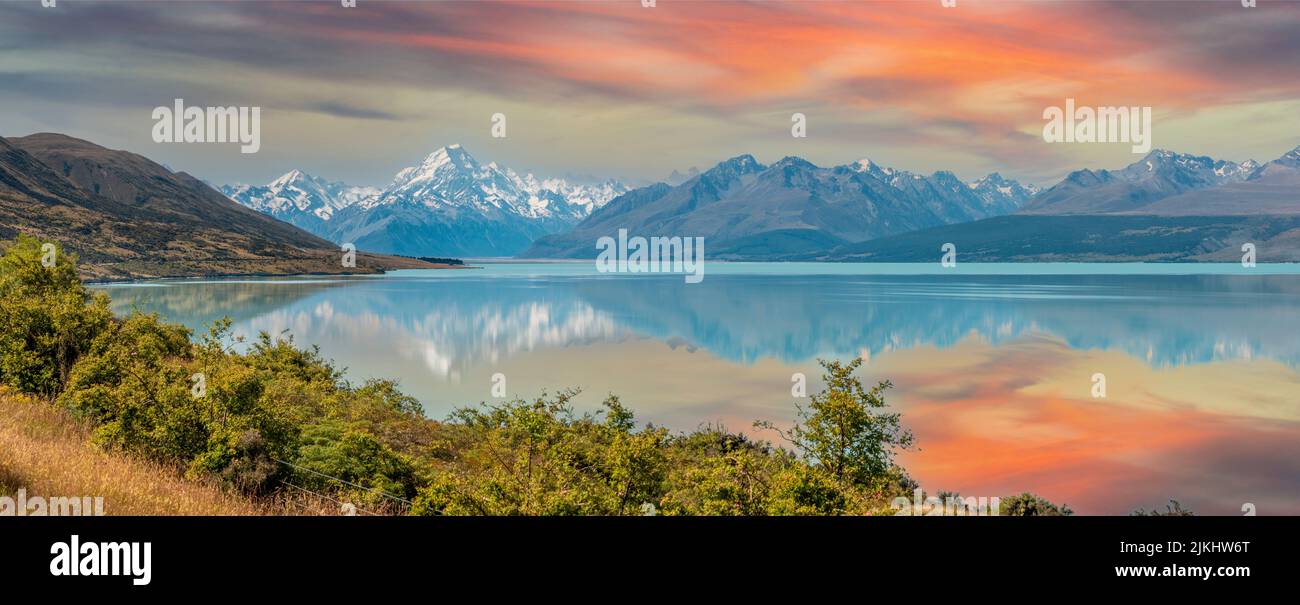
(750, 211)
(586, 197)
(991, 195)
(1248, 188)
(997, 190)
(1165, 207)
(450, 204)
(1158, 175)
(299, 198)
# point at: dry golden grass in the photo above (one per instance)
(49, 453)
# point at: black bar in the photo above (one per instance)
(299, 555)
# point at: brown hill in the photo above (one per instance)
(129, 217)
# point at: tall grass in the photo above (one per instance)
(49, 453)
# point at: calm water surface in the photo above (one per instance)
(992, 364)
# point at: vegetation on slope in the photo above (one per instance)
(46, 452)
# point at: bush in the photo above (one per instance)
(336, 458)
(133, 385)
(713, 472)
(539, 458)
(1029, 505)
(48, 318)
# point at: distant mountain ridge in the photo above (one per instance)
(746, 210)
(449, 204)
(1272, 188)
(1166, 207)
(1158, 175)
(299, 199)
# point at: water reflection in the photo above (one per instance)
(459, 322)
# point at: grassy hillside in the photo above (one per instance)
(47, 452)
(128, 217)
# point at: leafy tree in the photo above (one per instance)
(843, 430)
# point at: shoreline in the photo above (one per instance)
(124, 280)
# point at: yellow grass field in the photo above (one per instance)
(49, 453)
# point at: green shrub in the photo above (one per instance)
(1029, 505)
(336, 458)
(539, 458)
(713, 472)
(48, 318)
(134, 386)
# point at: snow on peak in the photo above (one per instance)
(451, 178)
(866, 165)
(295, 193)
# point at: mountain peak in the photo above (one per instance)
(739, 165)
(289, 177)
(446, 161)
(793, 160)
(1290, 159)
(744, 160)
(870, 167)
(453, 155)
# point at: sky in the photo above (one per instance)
(614, 89)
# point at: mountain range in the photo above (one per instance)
(748, 211)
(1165, 207)
(449, 204)
(299, 199)
(128, 217)
(1133, 189)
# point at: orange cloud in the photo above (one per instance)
(736, 53)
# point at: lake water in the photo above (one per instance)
(993, 365)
